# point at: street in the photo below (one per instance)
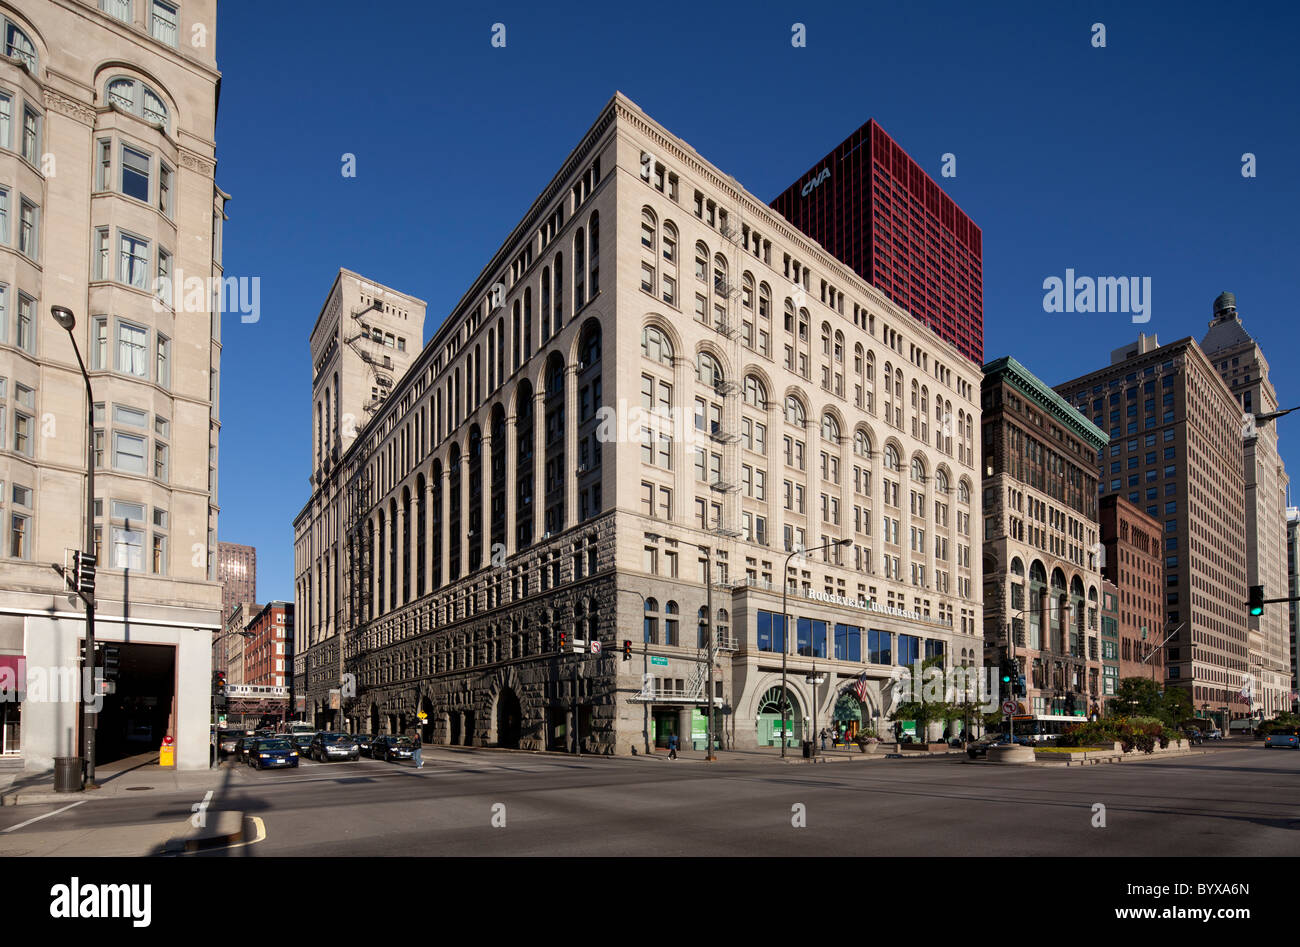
(485, 802)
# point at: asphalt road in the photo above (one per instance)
(1233, 800)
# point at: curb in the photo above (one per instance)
(227, 827)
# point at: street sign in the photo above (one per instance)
(659, 662)
(595, 646)
(1009, 707)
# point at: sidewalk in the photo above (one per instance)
(133, 774)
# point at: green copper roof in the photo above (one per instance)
(1029, 384)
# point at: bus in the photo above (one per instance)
(1044, 727)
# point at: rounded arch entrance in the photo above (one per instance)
(768, 717)
(374, 719)
(507, 719)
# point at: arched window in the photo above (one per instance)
(671, 622)
(649, 229)
(891, 457)
(941, 481)
(593, 256)
(19, 45)
(918, 470)
(830, 428)
(794, 411)
(656, 345)
(670, 243)
(755, 392)
(708, 371)
(826, 338)
(650, 623)
(839, 346)
(963, 492)
(138, 99)
(861, 444)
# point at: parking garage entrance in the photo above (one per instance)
(140, 706)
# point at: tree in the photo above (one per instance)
(1177, 707)
(1136, 696)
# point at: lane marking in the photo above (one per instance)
(15, 828)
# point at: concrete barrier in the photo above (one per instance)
(1011, 754)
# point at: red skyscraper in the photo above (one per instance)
(872, 206)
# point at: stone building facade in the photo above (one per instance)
(1042, 576)
(654, 391)
(111, 210)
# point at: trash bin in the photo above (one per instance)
(67, 774)
(807, 749)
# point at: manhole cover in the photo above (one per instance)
(137, 788)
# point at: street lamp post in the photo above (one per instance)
(785, 627)
(66, 320)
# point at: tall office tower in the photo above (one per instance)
(629, 420)
(1293, 591)
(1134, 561)
(1242, 366)
(110, 209)
(364, 340)
(872, 206)
(1042, 579)
(237, 573)
(1176, 452)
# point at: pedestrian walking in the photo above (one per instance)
(823, 736)
(672, 747)
(418, 756)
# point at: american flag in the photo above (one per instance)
(860, 688)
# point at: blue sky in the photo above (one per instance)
(1117, 161)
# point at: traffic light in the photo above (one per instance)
(1020, 687)
(218, 683)
(83, 564)
(627, 650)
(564, 641)
(1005, 688)
(1256, 602)
(112, 663)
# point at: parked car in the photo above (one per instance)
(363, 741)
(301, 740)
(1193, 736)
(333, 746)
(273, 751)
(1290, 741)
(389, 748)
(1215, 734)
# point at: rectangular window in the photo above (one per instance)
(4, 317)
(132, 350)
(18, 531)
(22, 433)
(160, 461)
(29, 229)
(126, 512)
(129, 453)
(31, 136)
(130, 416)
(135, 173)
(164, 362)
(4, 216)
(6, 120)
(118, 8)
(133, 262)
(128, 549)
(163, 288)
(26, 337)
(165, 24)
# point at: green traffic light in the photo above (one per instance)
(1257, 611)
